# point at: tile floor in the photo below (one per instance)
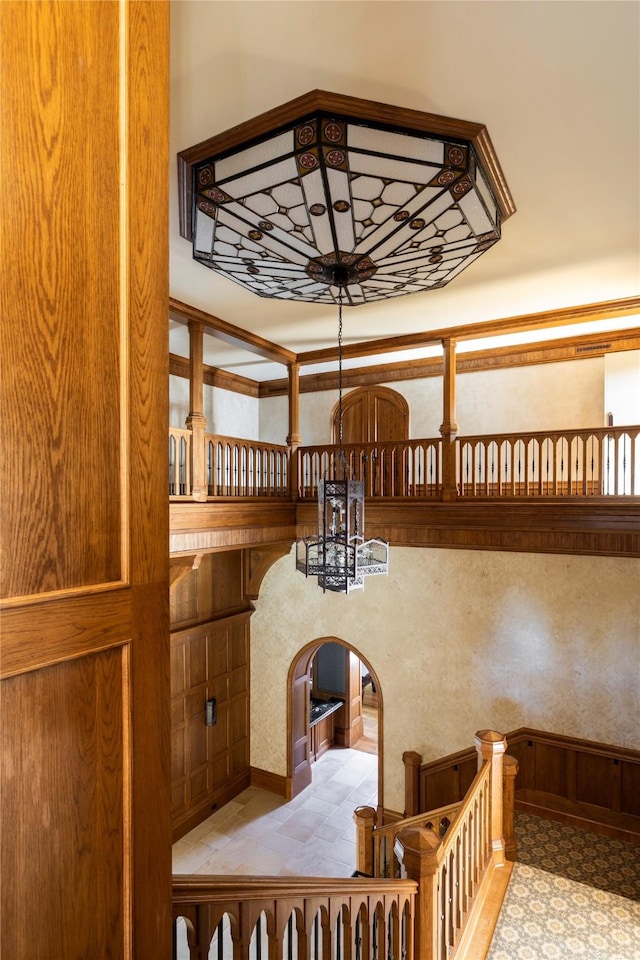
(259, 833)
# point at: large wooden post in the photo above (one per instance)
(294, 438)
(412, 761)
(449, 426)
(418, 850)
(509, 771)
(491, 745)
(196, 421)
(365, 820)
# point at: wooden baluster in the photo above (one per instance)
(365, 820)
(418, 850)
(200, 931)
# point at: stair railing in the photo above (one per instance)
(295, 918)
(451, 852)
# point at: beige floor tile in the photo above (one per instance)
(258, 833)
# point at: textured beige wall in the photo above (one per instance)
(547, 396)
(463, 640)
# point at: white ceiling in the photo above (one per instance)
(556, 82)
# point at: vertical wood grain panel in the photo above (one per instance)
(84, 512)
(59, 249)
(593, 780)
(147, 274)
(65, 814)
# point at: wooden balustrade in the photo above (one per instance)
(179, 462)
(302, 918)
(245, 468)
(403, 468)
(599, 462)
(451, 852)
(576, 463)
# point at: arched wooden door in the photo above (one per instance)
(375, 415)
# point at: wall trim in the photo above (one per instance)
(618, 768)
(274, 782)
(215, 800)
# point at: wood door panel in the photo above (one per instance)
(69, 813)
(300, 737)
(178, 754)
(372, 414)
(59, 272)
(198, 666)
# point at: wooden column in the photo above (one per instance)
(412, 761)
(449, 426)
(365, 820)
(196, 421)
(418, 849)
(491, 745)
(509, 771)
(294, 438)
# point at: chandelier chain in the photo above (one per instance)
(341, 456)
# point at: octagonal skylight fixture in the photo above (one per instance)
(330, 192)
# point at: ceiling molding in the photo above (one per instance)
(586, 313)
(556, 351)
(521, 355)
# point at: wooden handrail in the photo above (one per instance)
(376, 853)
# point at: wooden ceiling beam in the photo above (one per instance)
(229, 333)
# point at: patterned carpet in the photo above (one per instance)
(572, 894)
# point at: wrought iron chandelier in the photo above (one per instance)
(340, 555)
(333, 199)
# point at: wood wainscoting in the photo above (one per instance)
(210, 764)
(595, 786)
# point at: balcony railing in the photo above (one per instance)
(568, 463)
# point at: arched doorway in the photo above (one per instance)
(299, 766)
(372, 415)
(375, 416)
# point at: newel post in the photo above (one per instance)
(365, 820)
(509, 771)
(418, 850)
(196, 421)
(491, 745)
(412, 761)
